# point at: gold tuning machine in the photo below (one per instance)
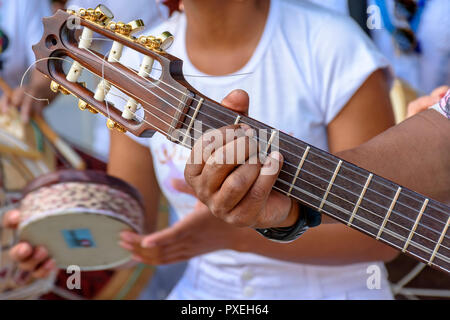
(113, 125)
(127, 29)
(84, 106)
(161, 43)
(56, 88)
(100, 15)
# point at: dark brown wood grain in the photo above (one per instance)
(171, 103)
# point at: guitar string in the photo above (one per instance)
(413, 244)
(307, 181)
(312, 152)
(407, 218)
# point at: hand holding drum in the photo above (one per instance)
(74, 217)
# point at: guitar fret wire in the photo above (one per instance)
(272, 138)
(369, 179)
(330, 185)
(386, 218)
(422, 210)
(300, 166)
(238, 119)
(191, 123)
(207, 104)
(441, 238)
(169, 115)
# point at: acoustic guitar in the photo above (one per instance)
(382, 209)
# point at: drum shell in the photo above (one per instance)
(78, 215)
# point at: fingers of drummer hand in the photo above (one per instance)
(11, 219)
(181, 186)
(4, 103)
(440, 92)
(21, 252)
(225, 160)
(421, 104)
(234, 188)
(205, 147)
(26, 109)
(252, 205)
(39, 256)
(167, 236)
(45, 269)
(237, 100)
(131, 238)
(18, 97)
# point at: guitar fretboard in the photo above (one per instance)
(364, 201)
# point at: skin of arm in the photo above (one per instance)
(133, 163)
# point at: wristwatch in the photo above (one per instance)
(307, 218)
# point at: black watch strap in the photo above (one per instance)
(308, 218)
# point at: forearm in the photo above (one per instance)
(331, 244)
(414, 154)
(133, 163)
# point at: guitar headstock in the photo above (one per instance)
(69, 35)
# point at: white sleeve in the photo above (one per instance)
(344, 57)
(35, 10)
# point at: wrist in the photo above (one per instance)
(292, 217)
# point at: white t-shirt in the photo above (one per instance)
(21, 27)
(425, 71)
(307, 66)
(149, 11)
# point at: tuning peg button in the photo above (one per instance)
(56, 87)
(166, 39)
(113, 125)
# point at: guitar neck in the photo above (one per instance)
(354, 196)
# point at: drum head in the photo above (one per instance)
(84, 239)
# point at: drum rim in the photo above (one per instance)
(83, 176)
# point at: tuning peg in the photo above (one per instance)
(161, 43)
(127, 29)
(166, 39)
(113, 125)
(101, 14)
(84, 106)
(56, 87)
